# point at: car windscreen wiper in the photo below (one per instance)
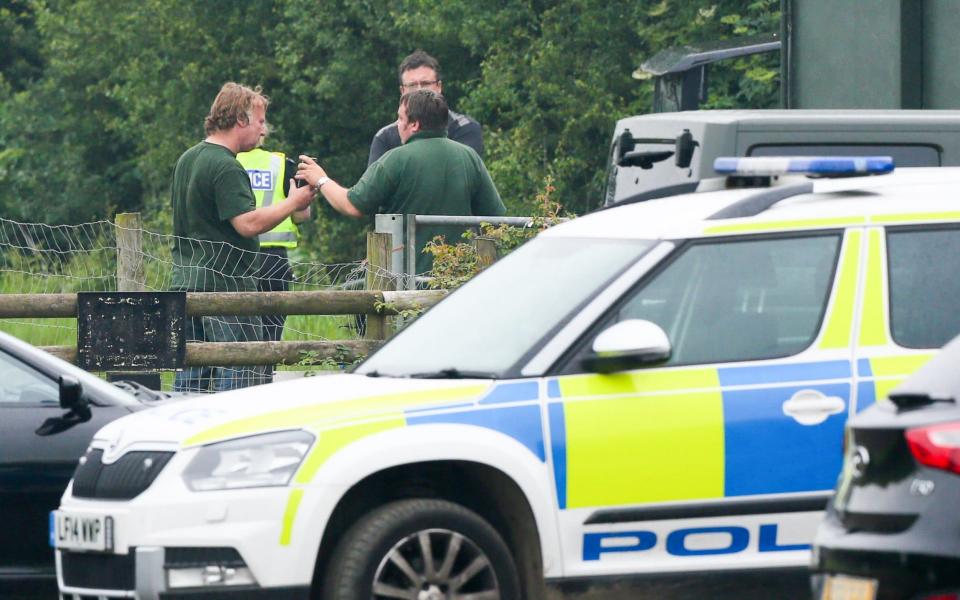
(453, 373)
(906, 400)
(142, 392)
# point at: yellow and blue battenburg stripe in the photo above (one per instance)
(629, 437)
(768, 452)
(839, 324)
(509, 408)
(873, 321)
(686, 434)
(323, 416)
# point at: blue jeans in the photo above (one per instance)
(219, 379)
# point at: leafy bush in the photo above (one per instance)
(106, 95)
(455, 264)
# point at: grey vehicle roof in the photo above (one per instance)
(877, 120)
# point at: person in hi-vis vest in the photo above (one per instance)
(270, 174)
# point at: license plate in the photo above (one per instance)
(78, 531)
(843, 587)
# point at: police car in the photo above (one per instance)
(640, 394)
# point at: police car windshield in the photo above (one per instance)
(493, 321)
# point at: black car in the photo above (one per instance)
(893, 527)
(49, 411)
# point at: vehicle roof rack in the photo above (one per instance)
(761, 201)
(663, 192)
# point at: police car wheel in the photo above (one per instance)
(422, 549)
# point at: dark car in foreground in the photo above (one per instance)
(49, 411)
(893, 528)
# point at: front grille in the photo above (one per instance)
(98, 571)
(125, 479)
(187, 558)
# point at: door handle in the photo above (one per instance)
(810, 407)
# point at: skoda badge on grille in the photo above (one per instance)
(114, 449)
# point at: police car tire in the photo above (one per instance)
(351, 571)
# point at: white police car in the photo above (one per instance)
(643, 393)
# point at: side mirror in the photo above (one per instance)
(72, 398)
(74, 402)
(628, 345)
(625, 143)
(684, 149)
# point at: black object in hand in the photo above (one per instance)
(290, 167)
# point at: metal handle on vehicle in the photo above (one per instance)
(810, 407)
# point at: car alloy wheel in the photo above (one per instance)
(436, 564)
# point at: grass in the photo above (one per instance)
(63, 331)
(42, 332)
(93, 271)
(93, 268)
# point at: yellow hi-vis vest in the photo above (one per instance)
(265, 170)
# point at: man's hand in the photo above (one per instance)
(308, 170)
(302, 197)
(265, 218)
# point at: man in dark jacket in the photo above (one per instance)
(420, 71)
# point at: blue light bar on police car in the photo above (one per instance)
(825, 166)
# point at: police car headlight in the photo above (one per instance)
(257, 461)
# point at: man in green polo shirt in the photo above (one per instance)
(216, 224)
(428, 175)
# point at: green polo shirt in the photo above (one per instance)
(209, 188)
(429, 175)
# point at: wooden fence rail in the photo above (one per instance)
(225, 354)
(322, 302)
(378, 302)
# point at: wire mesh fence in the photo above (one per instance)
(47, 259)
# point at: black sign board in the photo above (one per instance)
(131, 330)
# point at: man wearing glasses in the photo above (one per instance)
(422, 71)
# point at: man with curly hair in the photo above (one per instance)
(216, 224)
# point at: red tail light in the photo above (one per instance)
(942, 596)
(937, 446)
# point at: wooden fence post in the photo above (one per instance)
(379, 277)
(130, 273)
(486, 251)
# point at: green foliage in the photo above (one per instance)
(406, 314)
(455, 264)
(546, 213)
(314, 364)
(20, 61)
(102, 96)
